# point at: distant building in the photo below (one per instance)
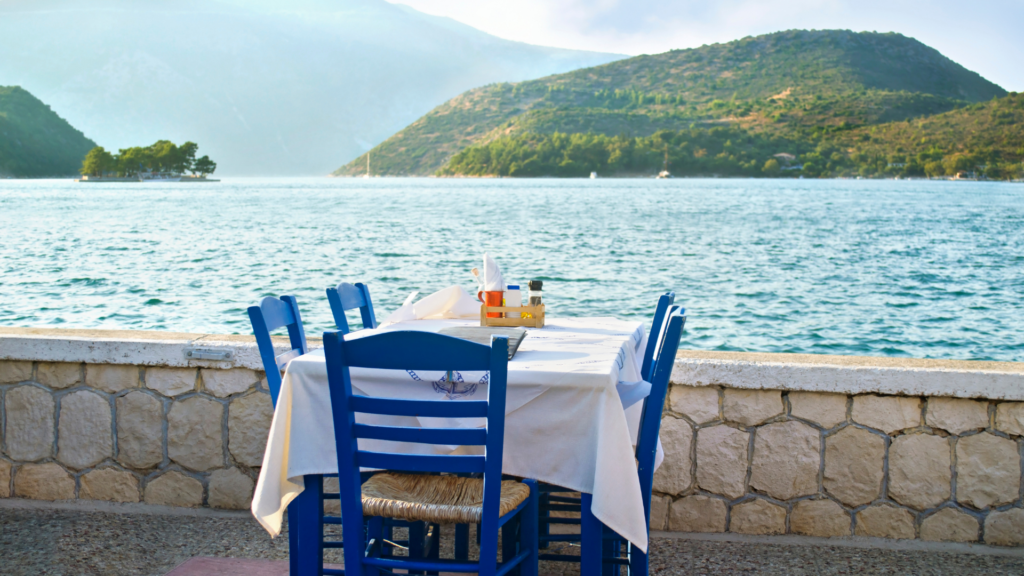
(784, 157)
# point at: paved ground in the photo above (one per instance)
(74, 542)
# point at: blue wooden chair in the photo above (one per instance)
(615, 551)
(555, 498)
(411, 488)
(347, 296)
(269, 315)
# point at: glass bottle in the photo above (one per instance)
(535, 292)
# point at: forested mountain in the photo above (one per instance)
(794, 85)
(981, 140)
(34, 140)
(268, 86)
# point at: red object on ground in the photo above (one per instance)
(200, 566)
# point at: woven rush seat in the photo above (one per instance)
(440, 499)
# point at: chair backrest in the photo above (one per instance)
(650, 419)
(416, 350)
(657, 328)
(347, 296)
(269, 315)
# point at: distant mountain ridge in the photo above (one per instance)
(34, 141)
(786, 83)
(269, 86)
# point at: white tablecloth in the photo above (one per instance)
(565, 422)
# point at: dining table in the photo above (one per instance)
(572, 417)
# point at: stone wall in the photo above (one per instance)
(169, 436)
(753, 460)
(755, 444)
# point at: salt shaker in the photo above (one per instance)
(514, 299)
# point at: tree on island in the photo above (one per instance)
(204, 166)
(161, 157)
(98, 162)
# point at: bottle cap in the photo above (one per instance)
(513, 287)
(535, 284)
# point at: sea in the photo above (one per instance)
(929, 269)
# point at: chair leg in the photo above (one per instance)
(509, 539)
(528, 534)
(591, 531)
(293, 539)
(309, 511)
(638, 561)
(462, 541)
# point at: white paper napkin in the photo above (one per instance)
(452, 302)
(493, 281)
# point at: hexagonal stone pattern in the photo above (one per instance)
(786, 460)
(825, 410)
(84, 435)
(1010, 418)
(230, 488)
(956, 415)
(919, 470)
(822, 518)
(885, 521)
(1005, 528)
(853, 465)
(249, 420)
(171, 381)
(12, 372)
(950, 525)
(887, 413)
(111, 378)
(758, 516)
(224, 383)
(139, 430)
(987, 470)
(698, 403)
(44, 482)
(29, 432)
(109, 484)
(194, 437)
(750, 407)
(59, 375)
(673, 477)
(722, 460)
(697, 513)
(174, 489)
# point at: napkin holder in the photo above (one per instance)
(536, 313)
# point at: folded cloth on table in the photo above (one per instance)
(452, 302)
(493, 280)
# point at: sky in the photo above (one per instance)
(983, 35)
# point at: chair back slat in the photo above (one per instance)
(347, 296)
(420, 462)
(660, 343)
(269, 315)
(413, 350)
(654, 404)
(420, 351)
(424, 408)
(448, 436)
(657, 326)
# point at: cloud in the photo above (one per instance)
(982, 36)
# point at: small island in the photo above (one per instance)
(163, 161)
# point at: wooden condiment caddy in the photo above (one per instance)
(535, 321)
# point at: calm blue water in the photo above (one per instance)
(888, 268)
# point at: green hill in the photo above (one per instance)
(984, 139)
(785, 85)
(34, 140)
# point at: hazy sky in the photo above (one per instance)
(983, 35)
